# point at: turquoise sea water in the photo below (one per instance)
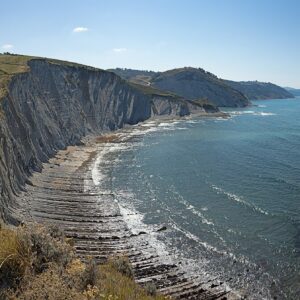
(228, 190)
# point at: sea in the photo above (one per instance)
(226, 191)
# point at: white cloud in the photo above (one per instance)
(80, 29)
(7, 46)
(119, 50)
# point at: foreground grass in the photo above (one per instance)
(39, 263)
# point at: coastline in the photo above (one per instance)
(69, 192)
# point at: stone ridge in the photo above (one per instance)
(54, 105)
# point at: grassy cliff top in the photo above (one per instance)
(149, 90)
(12, 64)
(9, 66)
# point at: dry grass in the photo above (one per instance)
(39, 263)
(107, 138)
(12, 64)
(15, 256)
(9, 66)
(120, 286)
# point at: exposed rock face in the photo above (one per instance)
(190, 83)
(55, 105)
(260, 90)
(196, 83)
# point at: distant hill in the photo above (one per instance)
(190, 83)
(295, 92)
(194, 83)
(260, 90)
(136, 76)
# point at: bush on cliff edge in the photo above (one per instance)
(39, 263)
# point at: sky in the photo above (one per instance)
(234, 39)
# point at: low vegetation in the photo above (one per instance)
(149, 90)
(39, 263)
(9, 66)
(12, 64)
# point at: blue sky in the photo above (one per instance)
(235, 39)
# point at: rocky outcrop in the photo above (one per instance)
(54, 105)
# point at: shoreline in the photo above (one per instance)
(65, 193)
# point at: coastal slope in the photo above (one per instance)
(195, 83)
(293, 91)
(255, 90)
(190, 83)
(47, 105)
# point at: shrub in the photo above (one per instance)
(48, 246)
(90, 274)
(122, 265)
(37, 263)
(29, 249)
(150, 288)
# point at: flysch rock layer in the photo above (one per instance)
(65, 194)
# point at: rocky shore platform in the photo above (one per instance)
(64, 194)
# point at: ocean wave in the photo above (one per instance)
(238, 199)
(207, 246)
(135, 224)
(264, 114)
(191, 208)
(243, 112)
(199, 214)
(97, 172)
(250, 112)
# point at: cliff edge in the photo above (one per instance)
(46, 105)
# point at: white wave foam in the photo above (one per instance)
(97, 173)
(250, 112)
(239, 199)
(210, 247)
(134, 222)
(199, 214)
(165, 124)
(243, 112)
(265, 114)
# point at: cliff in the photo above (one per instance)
(196, 83)
(190, 83)
(260, 90)
(47, 105)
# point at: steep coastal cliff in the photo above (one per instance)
(47, 105)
